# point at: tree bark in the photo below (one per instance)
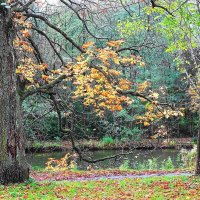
(197, 170)
(13, 165)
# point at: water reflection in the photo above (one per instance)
(136, 159)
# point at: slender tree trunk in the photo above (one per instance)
(197, 170)
(13, 165)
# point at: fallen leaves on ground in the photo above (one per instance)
(154, 188)
(93, 174)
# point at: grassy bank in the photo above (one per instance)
(110, 144)
(154, 188)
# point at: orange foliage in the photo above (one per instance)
(96, 75)
(98, 84)
(65, 163)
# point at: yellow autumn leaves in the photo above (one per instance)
(97, 91)
(97, 83)
(96, 75)
(97, 78)
(63, 164)
(28, 69)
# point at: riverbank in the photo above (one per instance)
(95, 145)
(163, 187)
(79, 175)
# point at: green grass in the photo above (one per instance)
(45, 144)
(157, 188)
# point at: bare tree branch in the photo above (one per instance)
(56, 29)
(154, 5)
(50, 42)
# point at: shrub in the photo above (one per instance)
(65, 163)
(168, 164)
(125, 165)
(152, 163)
(108, 141)
(194, 140)
(189, 157)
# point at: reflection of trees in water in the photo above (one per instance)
(135, 159)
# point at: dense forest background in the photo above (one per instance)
(162, 73)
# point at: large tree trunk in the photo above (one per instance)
(13, 165)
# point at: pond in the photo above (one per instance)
(139, 159)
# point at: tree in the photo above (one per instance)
(178, 22)
(95, 71)
(13, 166)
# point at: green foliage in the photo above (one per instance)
(44, 144)
(131, 26)
(165, 66)
(151, 31)
(194, 140)
(188, 157)
(154, 164)
(40, 122)
(108, 141)
(31, 181)
(36, 168)
(125, 165)
(168, 164)
(131, 134)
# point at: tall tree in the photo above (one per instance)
(178, 22)
(94, 71)
(13, 166)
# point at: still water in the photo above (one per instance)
(136, 160)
